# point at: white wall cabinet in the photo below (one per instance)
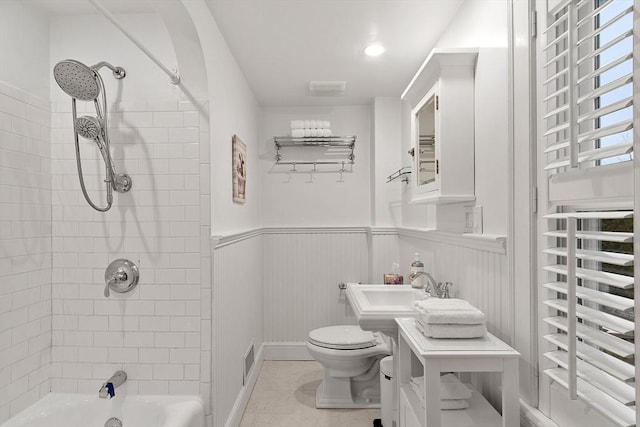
(427, 357)
(441, 98)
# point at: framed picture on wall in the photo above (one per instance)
(239, 173)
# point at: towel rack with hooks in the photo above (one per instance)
(346, 142)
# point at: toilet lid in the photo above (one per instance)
(344, 337)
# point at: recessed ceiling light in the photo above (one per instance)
(374, 49)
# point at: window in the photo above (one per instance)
(587, 275)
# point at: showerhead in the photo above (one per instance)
(88, 127)
(77, 80)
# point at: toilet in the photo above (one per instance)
(351, 361)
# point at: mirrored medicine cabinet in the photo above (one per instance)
(441, 100)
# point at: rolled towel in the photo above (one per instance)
(449, 311)
(326, 132)
(451, 331)
(297, 124)
(297, 133)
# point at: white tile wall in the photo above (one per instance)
(25, 250)
(153, 332)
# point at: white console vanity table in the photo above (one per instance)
(422, 356)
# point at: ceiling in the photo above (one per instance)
(282, 45)
(81, 7)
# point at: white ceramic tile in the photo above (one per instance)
(171, 119)
(154, 355)
(168, 372)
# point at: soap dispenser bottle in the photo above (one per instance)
(417, 271)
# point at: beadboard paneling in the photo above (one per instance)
(301, 276)
(385, 251)
(237, 317)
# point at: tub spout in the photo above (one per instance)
(109, 388)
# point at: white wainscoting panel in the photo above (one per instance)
(384, 252)
(237, 320)
(301, 275)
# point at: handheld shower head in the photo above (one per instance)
(77, 80)
(84, 83)
(88, 127)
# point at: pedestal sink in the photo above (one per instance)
(377, 306)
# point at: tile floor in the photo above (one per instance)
(284, 396)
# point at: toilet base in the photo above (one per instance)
(337, 393)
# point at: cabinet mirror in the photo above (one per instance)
(424, 142)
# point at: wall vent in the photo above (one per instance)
(327, 88)
(249, 359)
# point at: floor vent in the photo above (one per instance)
(249, 358)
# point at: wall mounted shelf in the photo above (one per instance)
(346, 142)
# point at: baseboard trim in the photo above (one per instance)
(239, 406)
(286, 351)
(532, 417)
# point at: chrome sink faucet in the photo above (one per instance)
(109, 388)
(441, 290)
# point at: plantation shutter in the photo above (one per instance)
(588, 277)
(589, 67)
(591, 341)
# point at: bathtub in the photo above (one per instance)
(83, 410)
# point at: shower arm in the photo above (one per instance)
(118, 72)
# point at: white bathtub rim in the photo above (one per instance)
(182, 407)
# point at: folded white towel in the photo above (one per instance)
(297, 133)
(326, 132)
(307, 132)
(449, 311)
(451, 331)
(313, 132)
(307, 124)
(440, 303)
(451, 388)
(446, 403)
(297, 124)
(454, 316)
(452, 404)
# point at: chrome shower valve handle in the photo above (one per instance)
(121, 276)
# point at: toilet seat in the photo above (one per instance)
(344, 337)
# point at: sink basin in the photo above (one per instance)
(377, 306)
